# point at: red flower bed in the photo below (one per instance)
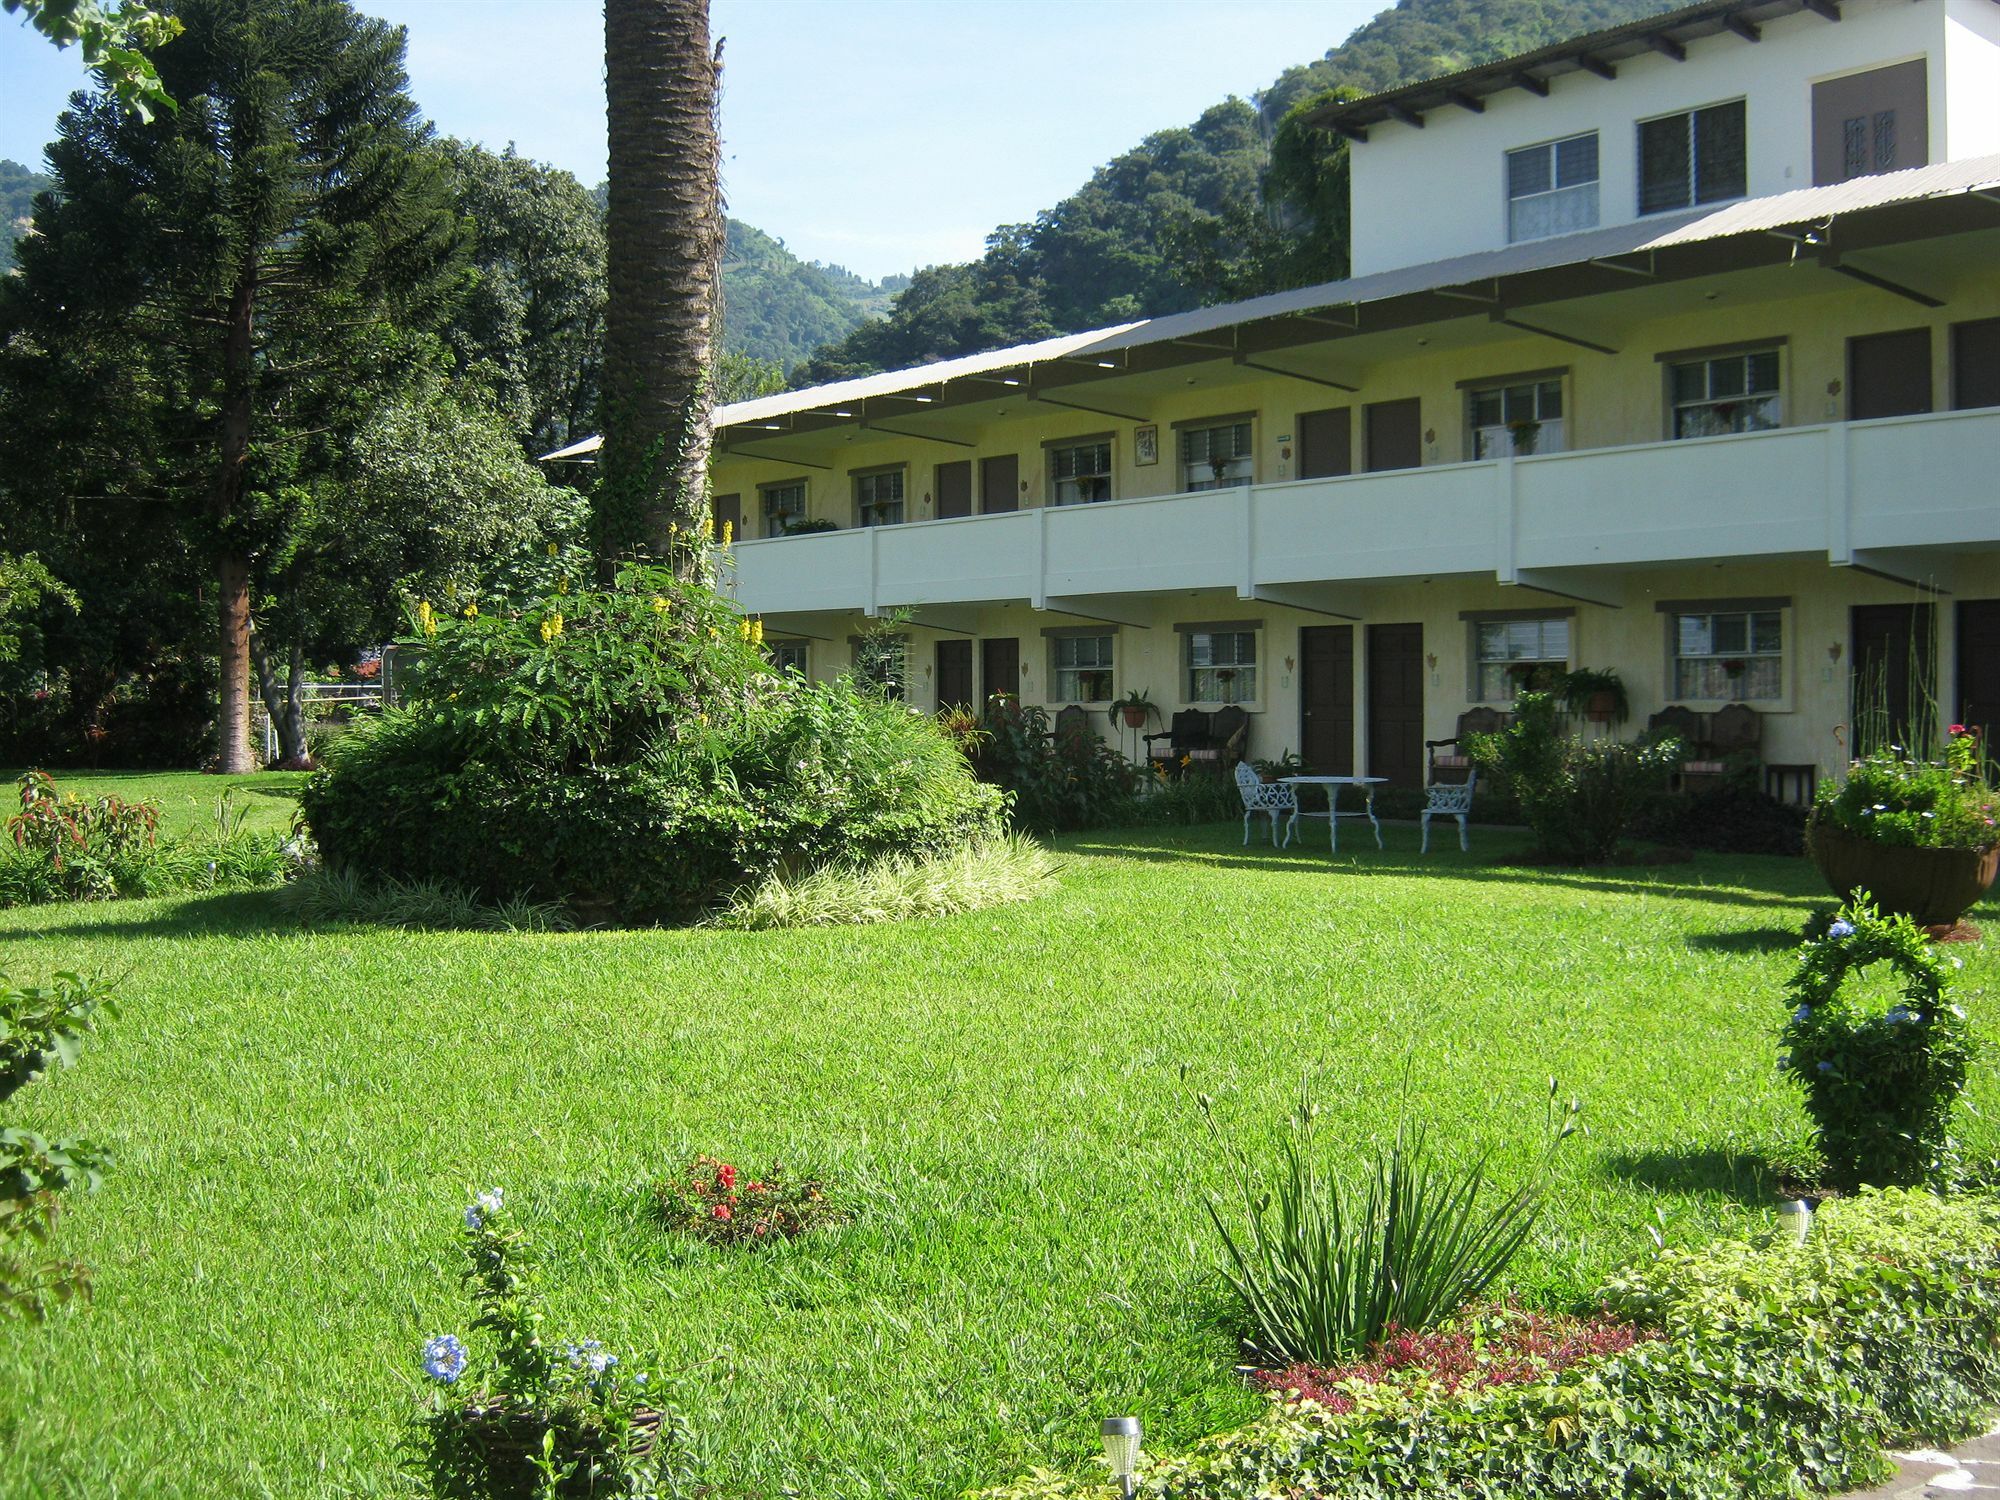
(1493, 1346)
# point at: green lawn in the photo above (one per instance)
(300, 1117)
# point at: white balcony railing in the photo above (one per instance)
(1832, 490)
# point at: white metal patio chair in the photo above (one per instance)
(1449, 801)
(1270, 798)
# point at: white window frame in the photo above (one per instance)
(1504, 685)
(1497, 439)
(868, 479)
(1080, 487)
(1240, 467)
(782, 487)
(1714, 404)
(790, 656)
(1559, 199)
(1734, 688)
(1242, 688)
(1067, 679)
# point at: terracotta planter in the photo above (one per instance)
(1600, 708)
(1933, 887)
(1135, 717)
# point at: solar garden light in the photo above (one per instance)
(1795, 1215)
(1121, 1446)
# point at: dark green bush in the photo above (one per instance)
(1728, 819)
(1579, 796)
(1781, 1370)
(1054, 782)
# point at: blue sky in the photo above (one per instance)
(881, 134)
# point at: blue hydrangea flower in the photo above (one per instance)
(444, 1358)
(1840, 929)
(1826, 1067)
(486, 1203)
(1802, 1014)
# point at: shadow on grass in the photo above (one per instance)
(1744, 1177)
(250, 913)
(1750, 940)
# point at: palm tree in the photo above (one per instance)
(664, 233)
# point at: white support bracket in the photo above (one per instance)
(1088, 607)
(1576, 584)
(1314, 598)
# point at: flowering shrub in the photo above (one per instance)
(1879, 1079)
(1896, 797)
(529, 1416)
(712, 1201)
(1581, 797)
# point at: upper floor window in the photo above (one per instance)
(1694, 157)
(786, 656)
(1725, 393)
(1080, 668)
(1221, 666)
(1509, 655)
(1080, 472)
(878, 497)
(1730, 656)
(1552, 188)
(784, 506)
(1518, 419)
(1215, 457)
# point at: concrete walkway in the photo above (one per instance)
(1971, 1468)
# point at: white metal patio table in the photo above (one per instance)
(1333, 814)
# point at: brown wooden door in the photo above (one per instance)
(954, 674)
(1975, 363)
(1889, 374)
(1326, 699)
(1394, 434)
(728, 510)
(1326, 448)
(1894, 663)
(954, 489)
(1396, 703)
(1000, 483)
(1979, 669)
(1000, 665)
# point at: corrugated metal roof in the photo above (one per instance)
(1755, 216)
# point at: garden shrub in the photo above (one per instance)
(990, 871)
(41, 1028)
(1579, 796)
(533, 1417)
(1056, 782)
(711, 1201)
(1774, 1369)
(1880, 1074)
(1325, 1271)
(1732, 818)
(626, 753)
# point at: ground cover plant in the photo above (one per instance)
(995, 1094)
(711, 1200)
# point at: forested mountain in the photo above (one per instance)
(778, 307)
(1243, 201)
(18, 186)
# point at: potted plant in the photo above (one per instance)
(1919, 832)
(1135, 708)
(1525, 434)
(1284, 765)
(1597, 696)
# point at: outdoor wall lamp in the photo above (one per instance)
(1793, 1214)
(1121, 1447)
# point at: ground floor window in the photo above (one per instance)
(784, 507)
(1080, 668)
(884, 662)
(1080, 472)
(787, 656)
(878, 498)
(1509, 655)
(1728, 393)
(1221, 666)
(1730, 655)
(1518, 419)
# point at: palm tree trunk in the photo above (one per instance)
(664, 234)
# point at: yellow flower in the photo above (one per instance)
(551, 628)
(472, 611)
(743, 628)
(757, 632)
(707, 527)
(714, 634)
(728, 532)
(563, 586)
(659, 604)
(553, 549)
(425, 621)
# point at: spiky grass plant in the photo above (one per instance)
(1327, 1268)
(986, 872)
(335, 898)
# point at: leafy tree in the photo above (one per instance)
(115, 39)
(531, 327)
(24, 584)
(18, 190)
(214, 300)
(665, 234)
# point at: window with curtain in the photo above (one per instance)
(1518, 419)
(1508, 654)
(784, 507)
(1080, 472)
(1080, 668)
(1730, 655)
(1691, 158)
(878, 498)
(1552, 188)
(1729, 393)
(1214, 458)
(1221, 666)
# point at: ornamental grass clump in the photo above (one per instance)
(1879, 1049)
(1325, 1270)
(527, 1416)
(711, 1200)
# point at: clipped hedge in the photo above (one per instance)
(1782, 1369)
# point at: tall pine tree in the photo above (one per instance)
(219, 298)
